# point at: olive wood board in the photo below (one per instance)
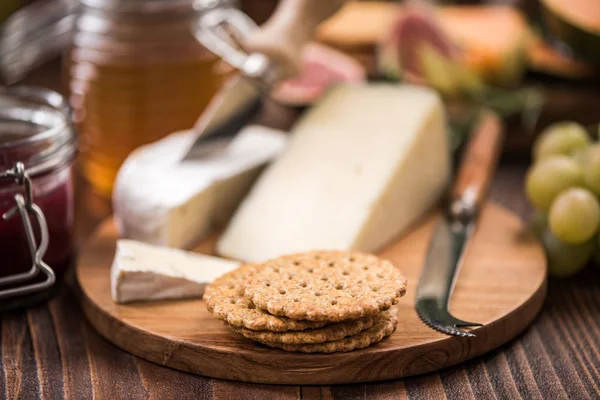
(502, 284)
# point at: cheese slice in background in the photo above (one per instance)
(143, 272)
(162, 200)
(362, 166)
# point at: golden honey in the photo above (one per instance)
(134, 77)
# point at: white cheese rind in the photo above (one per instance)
(161, 200)
(361, 167)
(143, 272)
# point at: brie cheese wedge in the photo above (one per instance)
(162, 200)
(143, 272)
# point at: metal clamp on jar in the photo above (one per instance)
(37, 150)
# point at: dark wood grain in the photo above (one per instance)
(51, 346)
(18, 359)
(47, 355)
(69, 325)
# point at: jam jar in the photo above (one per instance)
(37, 151)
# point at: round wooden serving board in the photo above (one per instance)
(501, 284)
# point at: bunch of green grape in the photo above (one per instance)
(563, 185)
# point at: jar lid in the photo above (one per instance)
(35, 129)
(158, 6)
(41, 30)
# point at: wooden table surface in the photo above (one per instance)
(50, 351)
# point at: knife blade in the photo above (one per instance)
(238, 102)
(454, 231)
(269, 55)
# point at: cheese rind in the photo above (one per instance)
(361, 167)
(143, 272)
(162, 200)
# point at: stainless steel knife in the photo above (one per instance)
(264, 57)
(451, 237)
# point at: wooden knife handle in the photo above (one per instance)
(479, 160)
(282, 37)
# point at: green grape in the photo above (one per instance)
(566, 259)
(575, 216)
(591, 169)
(548, 178)
(560, 138)
(538, 224)
(580, 156)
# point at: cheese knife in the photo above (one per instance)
(453, 233)
(264, 57)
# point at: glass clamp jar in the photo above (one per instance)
(133, 70)
(37, 150)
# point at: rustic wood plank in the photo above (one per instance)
(479, 379)
(426, 387)
(560, 356)
(3, 387)
(68, 324)
(114, 374)
(588, 302)
(542, 370)
(456, 384)
(576, 352)
(47, 354)
(521, 372)
(225, 390)
(582, 337)
(350, 392)
(588, 312)
(390, 390)
(500, 376)
(18, 358)
(326, 393)
(315, 393)
(163, 383)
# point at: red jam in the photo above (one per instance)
(53, 193)
(37, 149)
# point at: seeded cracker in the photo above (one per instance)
(327, 286)
(328, 333)
(384, 324)
(224, 298)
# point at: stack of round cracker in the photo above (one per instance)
(315, 302)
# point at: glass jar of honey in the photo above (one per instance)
(37, 150)
(136, 73)
(133, 69)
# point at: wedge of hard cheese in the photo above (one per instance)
(360, 168)
(161, 200)
(143, 272)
